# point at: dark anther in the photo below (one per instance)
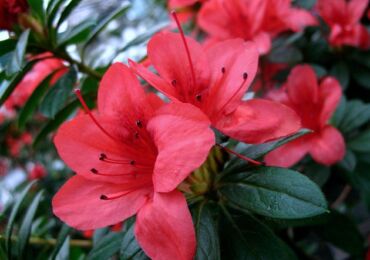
(245, 75)
(223, 70)
(136, 135)
(132, 162)
(93, 170)
(102, 157)
(139, 124)
(103, 197)
(174, 82)
(198, 97)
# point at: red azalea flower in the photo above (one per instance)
(37, 171)
(215, 80)
(33, 79)
(252, 20)
(129, 158)
(314, 103)
(9, 10)
(344, 17)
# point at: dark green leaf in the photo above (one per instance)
(307, 4)
(68, 10)
(317, 173)
(130, 249)
(341, 72)
(32, 103)
(356, 114)
(274, 192)
(53, 124)
(208, 245)
(52, 10)
(362, 75)
(244, 237)
(7, 46)
(349, 161)
(17, 60)
(285, 54)
(107, 246)
(62, 238)
(76, 35)
(64, 250)
(361, 143)
(103, 23)
(343, 233)
(37, 7)
(58, 94)
(319, 70)
(13, 215)
(339, 113)
(25, 229)
(8, 87)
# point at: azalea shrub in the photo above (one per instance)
(185, 129)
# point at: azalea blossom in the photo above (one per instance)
(315, 103)
(129, 157)
(215, 80)
(344, 17)
(33, 78)
(252, 20)
(9, 11)
(36, 171)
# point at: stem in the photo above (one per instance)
(249, 160)
(53, 241)
(342, 196)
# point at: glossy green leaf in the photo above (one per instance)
(58, 94)
(7, 89)
(104, 22)
(208, 245)
(341, 72)
(317, 173)
(25, 229)
(285, 54)
(244, 237)
(37, 7)
(64, 250)
(274, 192)
(13, 215)
(67, 11)
(349, 161)
(61, 240)
(107, 246)
(32, 103)
(130, 249)
(17, 61)
(361, 143)
(7, 46)
(76, 35)
(52, 10)
(355, 115)
(53, 124)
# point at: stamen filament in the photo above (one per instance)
(88, 111)
(249, 160)
(185, 45)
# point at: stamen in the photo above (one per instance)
(185, 44)
(87, 110)
(249, 160)
(114, 195)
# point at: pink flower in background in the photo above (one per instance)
(314, 103)
(9, 11)
(36, 171)
(343, 18)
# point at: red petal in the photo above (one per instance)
(79, 205)
(169, 57)
(164, 228)
(263, 42)
(183, 138)
(330, 93)
(356, 9)
(328, 147)
(181, 3)
(290, 153)
(237, 57)
(297, 19)
(80, 142)
(258, 121)
(302, 85)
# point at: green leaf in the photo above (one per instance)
(7, 89)
(361, 74)
(7, 46)
(67, 11)
(58, 94)
(343, 233)
(17, 60)
(208, 245)
(13, 215)
(25, 229)
(64, 250)
(341, 72)
(339, 113)
(53, 124)
(32, 103)
(52, 10)
(107, 246)
(130, 249)
(361, 143)
(274, 192)
(76, 35)
(317, 173)
(285, 54)
(103, 23)
(349, 161)
(244, 237)
(356, 114)
(37, 8)
(62, 238)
